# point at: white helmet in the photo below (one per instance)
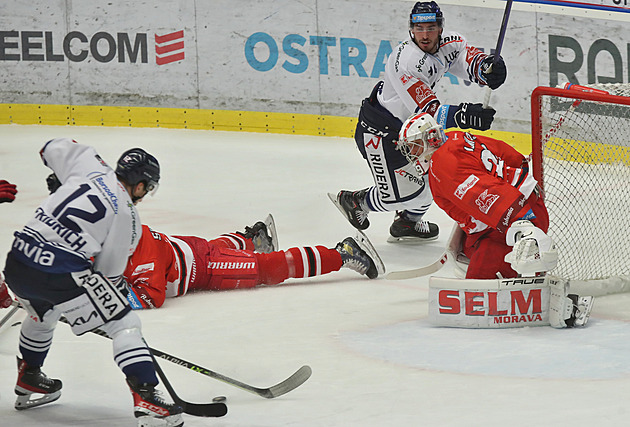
(420, 131)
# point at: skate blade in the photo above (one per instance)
(585, 305)
(170, 421)
(367, 246)
(271, 229)
(409, 240)
(27, 401)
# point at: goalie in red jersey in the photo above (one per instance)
(487, 187)
(169, 266)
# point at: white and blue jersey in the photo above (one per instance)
(411, 74)
(90, 221)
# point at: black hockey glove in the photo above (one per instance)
(53, 183)
(474, 116)
(497, 74)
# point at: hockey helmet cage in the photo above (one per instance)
(420, 131)
(426, 11)
(135, 166)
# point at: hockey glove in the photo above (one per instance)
(5, 298)
(474, 116)
(534, 251)
(493, 74)
(7, 191)
(53, 183)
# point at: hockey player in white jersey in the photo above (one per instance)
(412, 71)
(69, 259)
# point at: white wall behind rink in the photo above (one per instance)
(310, 57)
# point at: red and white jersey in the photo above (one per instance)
(166, 266)
(481, 182)
(155, 269)
(411, 74)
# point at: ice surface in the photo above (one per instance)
(375, 360)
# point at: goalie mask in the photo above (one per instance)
(419, 137)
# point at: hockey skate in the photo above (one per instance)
(31, 380)
(404, 230)
(150, 409)
(359, 255)
(263, 235)
(567, 310)
(582, 306)
(349, 204)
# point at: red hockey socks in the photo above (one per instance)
(301, 262)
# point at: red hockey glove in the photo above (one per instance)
(5, 298)
(7, 191)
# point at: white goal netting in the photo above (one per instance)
(585, 169)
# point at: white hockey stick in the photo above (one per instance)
(452, 249)
(419, 272)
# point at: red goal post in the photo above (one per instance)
(581, 157)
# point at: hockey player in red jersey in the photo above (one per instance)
(413, 69)
(169, 266)
(487, 187)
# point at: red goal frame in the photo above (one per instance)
(536, 104)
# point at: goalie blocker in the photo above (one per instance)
(506, 303)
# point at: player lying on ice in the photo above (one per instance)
(487, 187)
(169, 266)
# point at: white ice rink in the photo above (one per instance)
(375, 360)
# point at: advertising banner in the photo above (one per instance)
(311, 57)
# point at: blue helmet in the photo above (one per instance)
(426, 11)
(135, 166)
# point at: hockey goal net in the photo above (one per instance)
(581, 156)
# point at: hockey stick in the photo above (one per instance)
(298, 378)
(499, 47)
(453, 248)
(419, 272)
(5, 319)
(214, 409)
(294, 381)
